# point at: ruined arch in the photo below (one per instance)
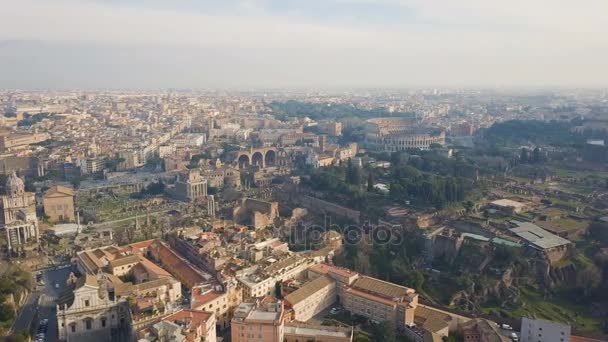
(243, 161)
(270, 158)
(257, 159)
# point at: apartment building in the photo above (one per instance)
(221, 300)
(540, 330)
(258, 323)
(186, 325)
(312, 298)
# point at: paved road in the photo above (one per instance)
(49, 296)
(41, 303)
(27, 314)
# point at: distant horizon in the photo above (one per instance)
(241, 44)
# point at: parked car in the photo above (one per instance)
(334, 311)
(506, 327)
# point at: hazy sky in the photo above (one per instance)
(302, 43)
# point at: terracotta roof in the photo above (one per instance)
(193, 318)
(370, 296)
(381, 287)
(326, 269)
(486, 329)
(130, 259)
(179, 267)
(584, 339)
(199, 299)
(59, 189)
(153, 268)
(279, 265)
(120, 288)
(90, 261)
(142, 244)
(309, 289)
(431, 320)
(152, 284)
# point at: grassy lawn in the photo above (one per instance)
(555, 309)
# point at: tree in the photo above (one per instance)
(589, 279)
(468, 206)
(76, 182)
(20, 336)
(278, 290)
(599, 232)
(370, 182)
(415, 279)
(7, 312)
(384, 331)
(353, 173)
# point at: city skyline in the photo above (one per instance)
(327, 44)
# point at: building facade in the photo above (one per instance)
(89, 312)
(253, 323)
(58, 202)
(400, 134)
(540, 330)
(191, 186)
(18, 218)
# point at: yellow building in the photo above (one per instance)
(58, 202)
(312, 298)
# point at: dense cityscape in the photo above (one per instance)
(303, 171)
(288, 215)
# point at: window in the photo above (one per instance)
(88, 324)
(86, 302)
(103, 322)
(73, 327)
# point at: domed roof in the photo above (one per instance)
(14, 184)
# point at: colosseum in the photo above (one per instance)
(398, 134)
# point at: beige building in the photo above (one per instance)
(15, 141)
(191, 186)
(265, 323)
(148, 280)
(381, 301)
(222, 303)
(223, 176)
(58, 202)
(186, 325)
(312, 298)
(257, 323)
(369, 297)
(333, 129)
(258, 282)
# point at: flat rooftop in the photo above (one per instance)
(508, 203)
(537, 236)
(315, 330)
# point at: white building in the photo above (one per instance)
(539, 330)
(90, 312)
